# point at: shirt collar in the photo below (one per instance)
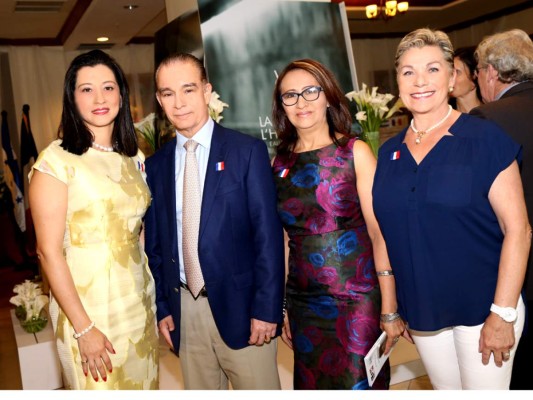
(203, 136)
(499, 95)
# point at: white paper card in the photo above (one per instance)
(375, 358)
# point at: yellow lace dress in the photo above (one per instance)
(107, 199)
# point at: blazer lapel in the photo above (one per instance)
(169, 191)
(212, 176)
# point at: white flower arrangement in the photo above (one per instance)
(372, 107)
(372, 110)
(216, 107)
(29, 300)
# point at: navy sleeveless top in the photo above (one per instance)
(442, 235)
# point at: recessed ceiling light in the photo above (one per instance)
(102, 39)
(131, 7)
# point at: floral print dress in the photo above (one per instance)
(333, 295)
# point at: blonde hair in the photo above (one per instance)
(425, 37)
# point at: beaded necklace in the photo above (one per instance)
(102, 148)
(420, 134)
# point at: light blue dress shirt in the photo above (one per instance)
(203, 137)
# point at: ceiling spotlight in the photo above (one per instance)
(131, 7)
(386, 9)
(102, 39)
(372, 11)
(402, 6)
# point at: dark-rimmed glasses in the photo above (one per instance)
(310, 94)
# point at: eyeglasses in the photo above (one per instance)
(479, 69)
(310, 94)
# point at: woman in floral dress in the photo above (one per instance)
(324, 177)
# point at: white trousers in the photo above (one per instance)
(453, 362)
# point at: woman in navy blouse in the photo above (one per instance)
(448, 198)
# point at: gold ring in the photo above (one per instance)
(84, 362)
(395, 339)
(507, 355)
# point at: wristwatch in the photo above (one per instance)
(508, 314)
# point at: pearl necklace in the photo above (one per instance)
(102, 148)
(420, 134)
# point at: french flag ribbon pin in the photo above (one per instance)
(395, 155)
(284, 172)
(140, 166)
(220, 166)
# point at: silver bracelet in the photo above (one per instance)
(389, 317)
(83, 332)
(387, 272)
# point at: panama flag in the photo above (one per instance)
(12, 175)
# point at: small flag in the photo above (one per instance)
(395, 155)
(220, 166)
(284, 172)
(140, 166)
(28, 151)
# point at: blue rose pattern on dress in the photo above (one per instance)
(332, 289)
(347, 243)
(316, 259)
(286, 217)
(307, 177)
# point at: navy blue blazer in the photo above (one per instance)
(241, 246)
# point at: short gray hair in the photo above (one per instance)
(510, 53)
(425, 37)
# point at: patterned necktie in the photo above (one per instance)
(191, 220)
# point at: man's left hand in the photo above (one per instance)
(261, 332)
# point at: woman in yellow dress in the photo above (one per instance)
(88, 196)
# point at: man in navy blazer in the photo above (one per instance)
(228, 332)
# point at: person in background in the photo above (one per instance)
(465, 94)
(222, 317)
(505, 75)
(324, 177)
(450, 204)
(88, 196)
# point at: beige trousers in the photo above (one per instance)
(208, 363)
